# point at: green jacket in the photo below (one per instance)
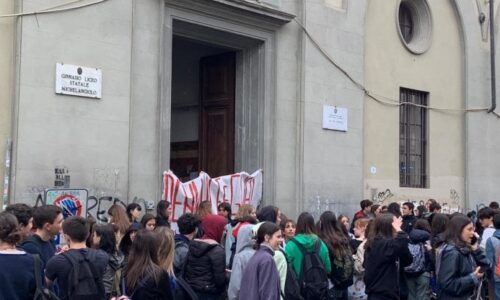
(308, 241)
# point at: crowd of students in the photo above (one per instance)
(387, 252)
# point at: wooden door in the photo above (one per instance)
(217, 114)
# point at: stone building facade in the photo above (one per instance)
(281, 62)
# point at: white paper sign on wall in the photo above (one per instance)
(334, 118)
(78, 81)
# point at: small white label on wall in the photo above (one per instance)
(334, 118)
(78, 81)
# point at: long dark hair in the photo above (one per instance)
(453, 232)
(381, 228)
(266, 228)
(161, 207)
(143, 260)
(130, 208)
(305, 224)
(107, 242)
(422, 224)
(331, 233)
(439, 223)
(268, 214)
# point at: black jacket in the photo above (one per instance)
(408, 222)
(205, 269)
(162, 221)
(381, 266)
(149, 290)
(455, 279)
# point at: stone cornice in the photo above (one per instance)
(241, 10)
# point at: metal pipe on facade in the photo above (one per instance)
(492, 57)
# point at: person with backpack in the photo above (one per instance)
(144, 279)
(260, 279)
(308, 255)
(18, 271)
(492, 252)
(205, 269)
(47, 220)
(460, 262)
(104, 239)
(244, 252)
(339, 251)
(187, 225)
(386, 250)
(78, 271)
(417, 279)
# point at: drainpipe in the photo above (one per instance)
(492, 58)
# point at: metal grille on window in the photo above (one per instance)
(406, 22)
(412, 139)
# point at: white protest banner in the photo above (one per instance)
(236, 189)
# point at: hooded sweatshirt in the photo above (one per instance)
(181, 252)
(205, 268)
(244, 252)
(492, 248)
(308, 241)
(213, 227)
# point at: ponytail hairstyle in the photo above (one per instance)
(266, 228)
(9, 229)
(143, 260)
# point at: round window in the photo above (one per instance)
(414, 23)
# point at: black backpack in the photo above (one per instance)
(292, 287)
(313, 279)
(41, 293)
(84, 282)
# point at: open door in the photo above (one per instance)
(217, 114)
